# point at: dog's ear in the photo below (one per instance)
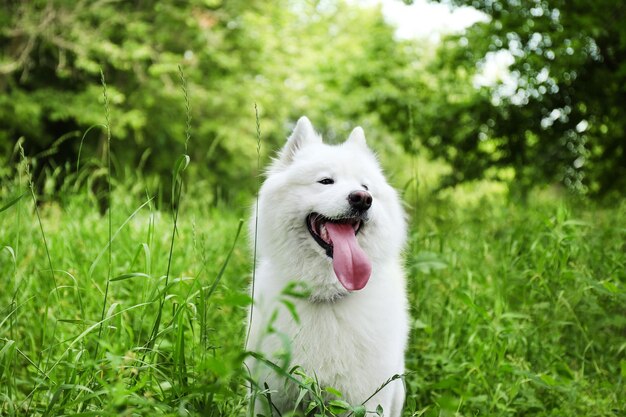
(357, 136)
(303, 134)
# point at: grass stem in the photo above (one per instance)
(256, 219)
(107, 115)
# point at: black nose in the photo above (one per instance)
(360, 200)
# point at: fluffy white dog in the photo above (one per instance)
(328, 221)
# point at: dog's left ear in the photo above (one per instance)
(357, 137)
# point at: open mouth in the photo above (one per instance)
(317, 223)
(338, 238)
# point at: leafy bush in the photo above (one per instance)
(337, 63)
(551, 110)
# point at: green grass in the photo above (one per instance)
(49, 332)
(118, 301)
(517, 310)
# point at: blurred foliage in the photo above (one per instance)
(555, 114)
(336, 63)
(551, 112)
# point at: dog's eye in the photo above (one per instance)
(365, 186)
(327, 181)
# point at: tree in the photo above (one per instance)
(554, 111)
(334, 61)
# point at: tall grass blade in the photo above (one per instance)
(43, 234)
(79, 338)
(107, 117)
(177, 187)
(13, 202)
(223, 268)
(117, 231)
(130, 275)
(254, 393)
(256, 219)
(49, 258)
(183, 86)
(82, 139)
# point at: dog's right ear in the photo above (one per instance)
(303, 134)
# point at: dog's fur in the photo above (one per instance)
(352, 340)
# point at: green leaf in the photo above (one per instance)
(467, 300)
(179, 166)
(611, 287)
(225, 264)
(379, 410)
(6, 357)
(301, 396)
(292, 309)
(312, 405)
(11, 252)
(8, 345)
(129, 276)
(12, 202)
(296, 290)
(549, 380)
(73, 321)
(333, 391)
(338, 406)
(359, 411)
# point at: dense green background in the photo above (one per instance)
(337, 63)
(124, 279)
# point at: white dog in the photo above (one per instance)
(328, 220)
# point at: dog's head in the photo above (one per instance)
(328, 211)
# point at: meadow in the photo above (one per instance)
(109, 309)
(125, 258)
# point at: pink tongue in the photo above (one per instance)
(350, 263)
